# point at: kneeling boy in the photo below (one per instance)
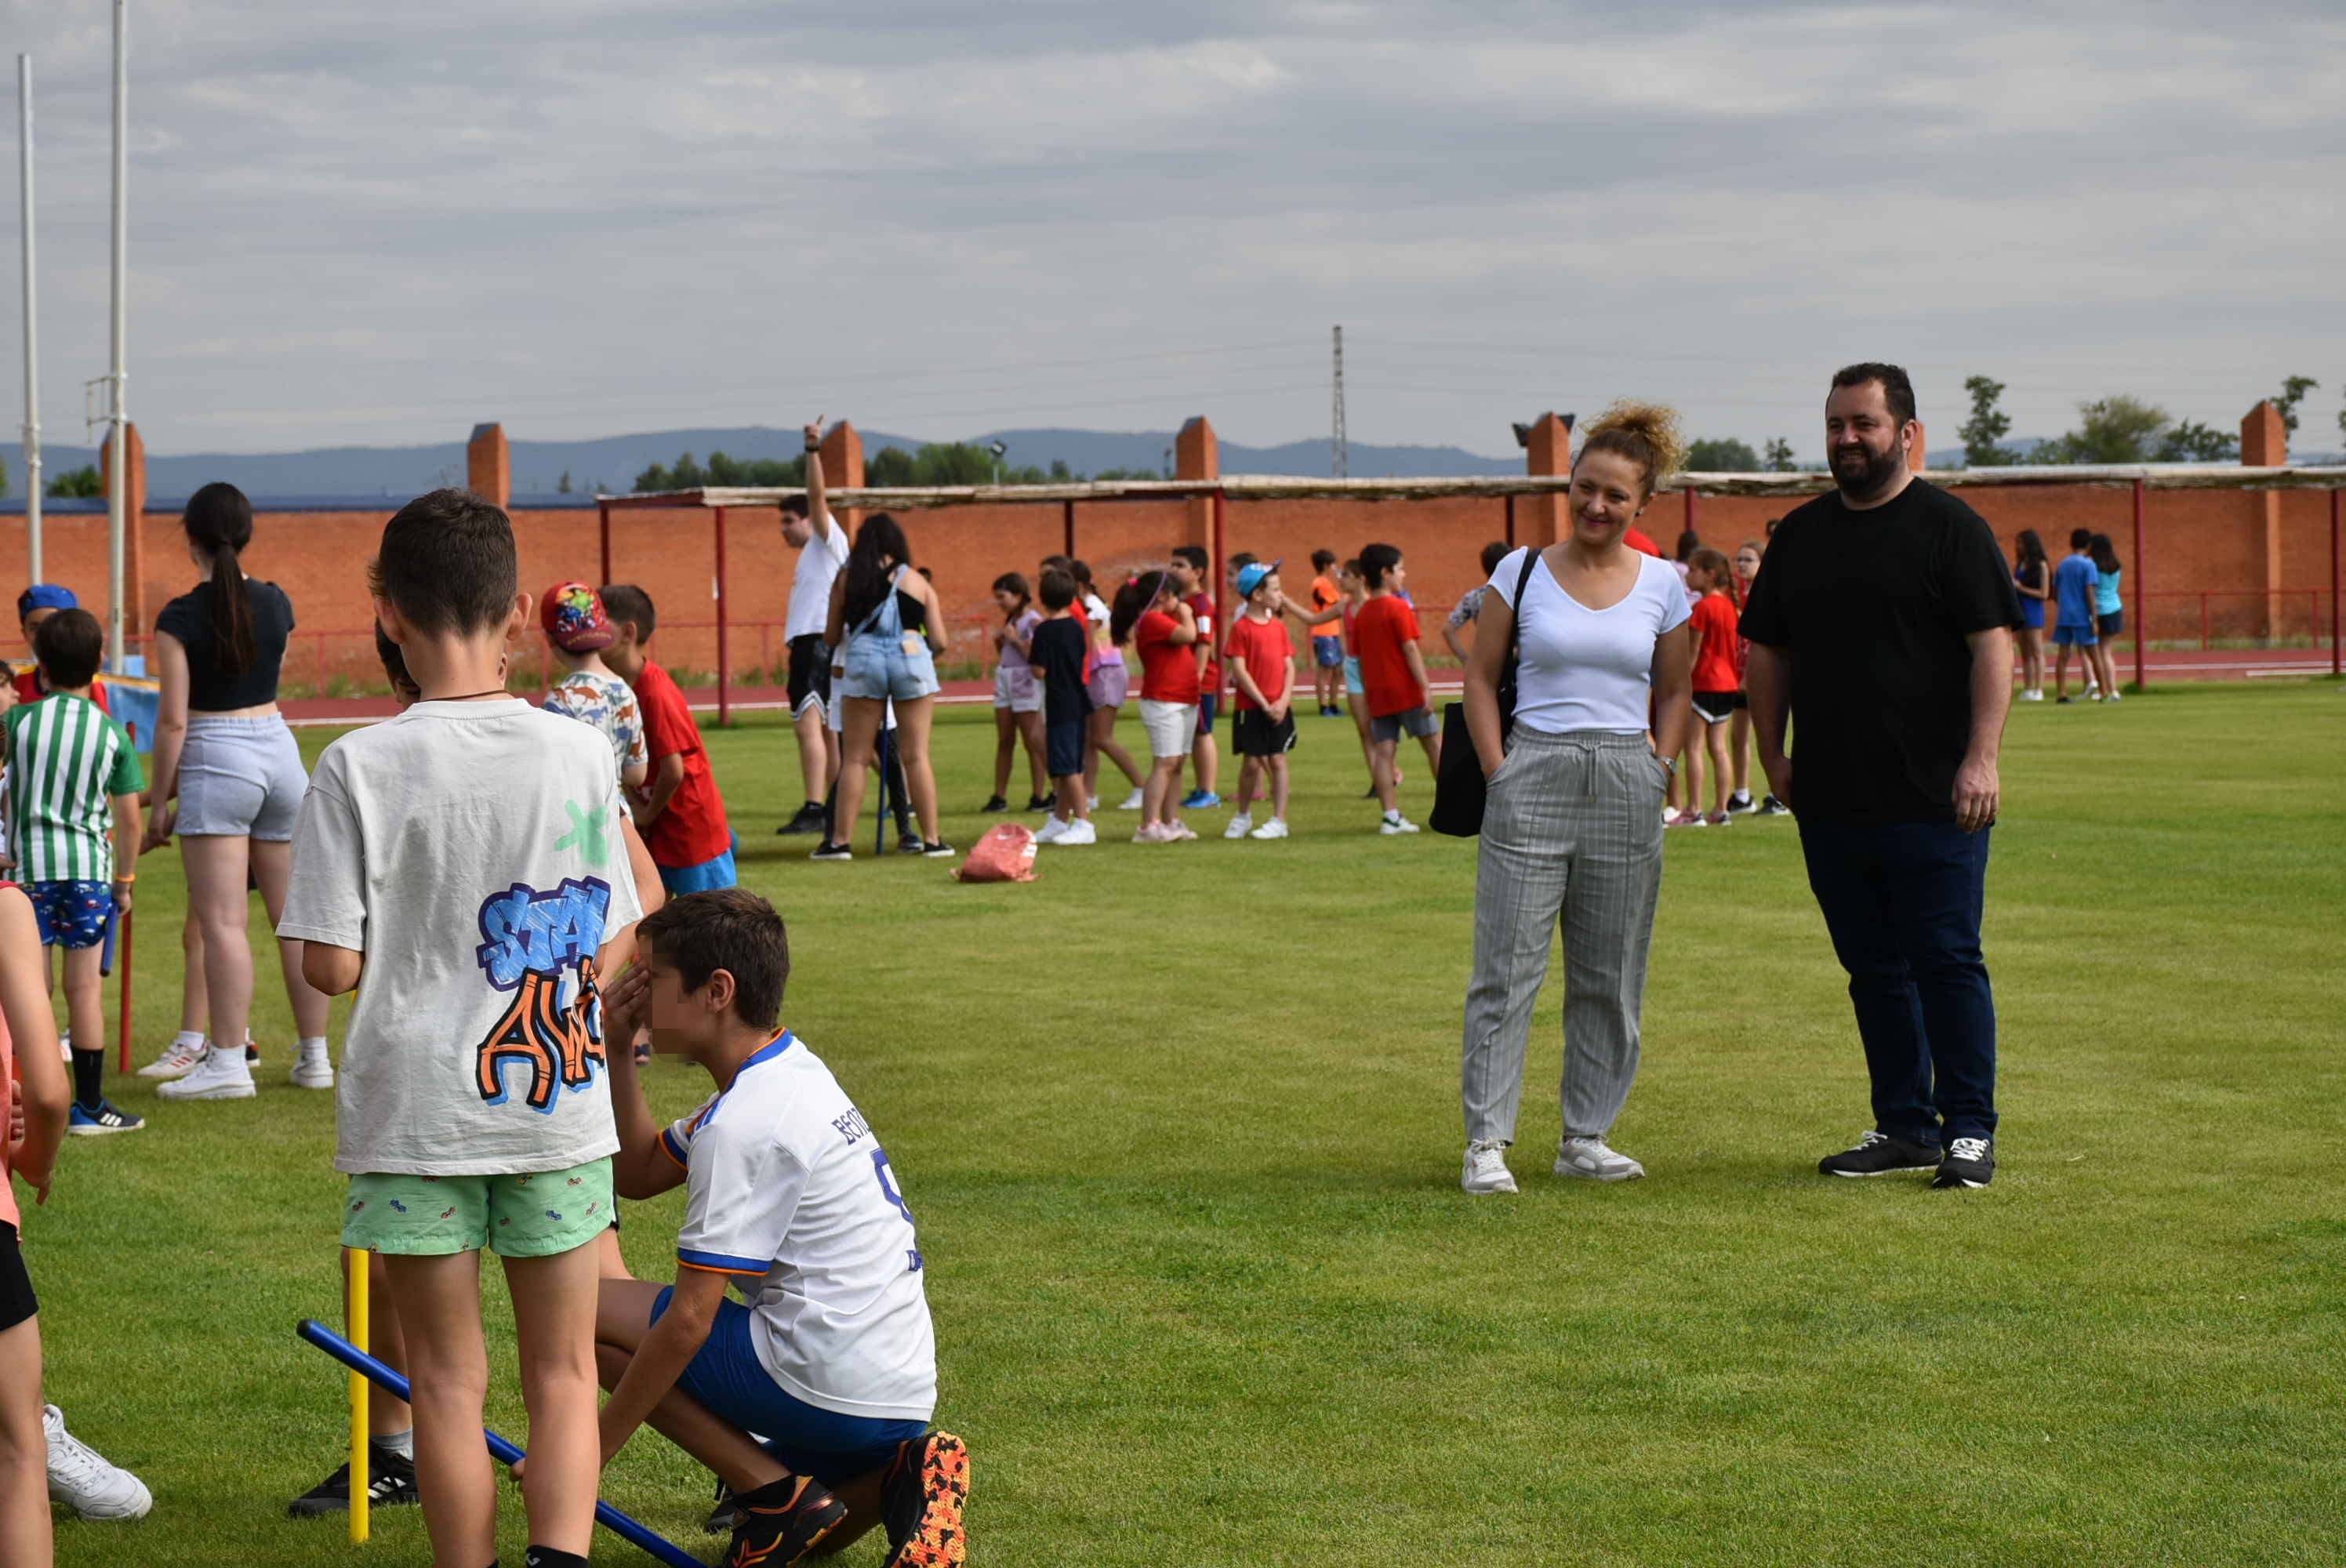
(790, 1197)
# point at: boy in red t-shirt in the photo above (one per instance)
(1191, 566)
(1392, 680)
(1716, 685)
(1262, 718)
(680, 814)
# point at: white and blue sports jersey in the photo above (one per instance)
(787, 1189)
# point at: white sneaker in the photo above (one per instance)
(1394, 822)
(1486, 1169)
(1133, 801)
(313, 1069)
(80, 1476)
(2032, 695)
(1091, 802)
(1079, 831)
(221, 1075)
(1240, 826)
(178, 1060)
(1050, 832)
(1590, 1160)
(1274, 828)
(2115, 697)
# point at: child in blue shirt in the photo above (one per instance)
(2073, 581)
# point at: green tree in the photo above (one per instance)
(941, 463)
(1779, 457)
(1987, 427)
(76, 483)
(2114, 429)
(1059, 473)
(2192, 442)
(3, 476)
(2293, 392)
(562, 485)
(1724, 456)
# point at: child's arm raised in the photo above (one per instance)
(643, 1168)
(33, 1028)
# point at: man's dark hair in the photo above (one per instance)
(1376, 560)
(626, 602)
(796, 506)
(1193, 555)
(731, 929)
(1241, 561)
(1896, 390)
(2079, 539)
(70, 645)
(1494, 553)
(447, 563)
(1057, 590)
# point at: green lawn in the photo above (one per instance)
(1180, 1124)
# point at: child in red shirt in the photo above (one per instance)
(1392, 680)
(1716, 685)
(1163, 631)
(681, 816)
(1262, 721)
(1192, 566)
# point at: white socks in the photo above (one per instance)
(188, 1037)
(400, 1444)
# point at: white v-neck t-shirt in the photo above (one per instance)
(1583, 668)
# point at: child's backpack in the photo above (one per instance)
(1005, 854)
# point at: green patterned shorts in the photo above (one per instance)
(536, 1215)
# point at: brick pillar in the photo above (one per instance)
(134, 511)
(1918, 456)
(1197, 455)
(2264, 444)
(1540, 520)
(843, 468)
(488, 466)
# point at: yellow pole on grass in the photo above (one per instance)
(357, 1260)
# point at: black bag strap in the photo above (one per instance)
(1516, 631)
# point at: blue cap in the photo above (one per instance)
(1250, 576)
(46, 596)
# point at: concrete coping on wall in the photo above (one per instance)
(1286, 487)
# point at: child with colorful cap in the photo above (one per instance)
(577, 630)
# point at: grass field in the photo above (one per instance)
(1180, 1127)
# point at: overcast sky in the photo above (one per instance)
(377, 224)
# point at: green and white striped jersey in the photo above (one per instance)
(67, 761)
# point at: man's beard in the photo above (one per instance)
(1880, 468)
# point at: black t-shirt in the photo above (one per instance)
(1056, 655)
(211, 689)
(1873, 606)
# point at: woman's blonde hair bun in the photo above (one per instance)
(1647, 434)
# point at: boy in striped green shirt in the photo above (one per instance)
(72, 775)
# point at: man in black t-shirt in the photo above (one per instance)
(1881, 625)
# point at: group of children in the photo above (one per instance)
(2087, 614)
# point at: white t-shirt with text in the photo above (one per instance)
(787, 1189)
(1583, 668)
(473, 851)
(811, 579)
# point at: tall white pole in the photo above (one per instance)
(32, 324)
(117, 489)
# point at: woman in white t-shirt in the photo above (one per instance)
(1572, 827)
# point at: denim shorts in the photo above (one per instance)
(1327, 653)
(725, 1375)
(239, 779)
(878, 667)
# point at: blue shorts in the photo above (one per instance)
(2032, 614)
(1327, 653)
(878, 669)
(727, 1376)
(1352, 686)
(2073, 636)
(71, 914)
(703, 878)
(1208, 705)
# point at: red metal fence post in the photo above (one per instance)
(1689, 513)
(605, 508)
(2141, 603)
(1221, 580)
(2337, 662)
(724, 664)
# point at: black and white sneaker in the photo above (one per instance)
(811, 819)
(1879, 1153)
(908, 842)
(1040, 802)
(939, 850)
(782, 1524)
(1771, 807)
(828, 850)
(1970, 1162)
(391, 1482)
(1741, 804)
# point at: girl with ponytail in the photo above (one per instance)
(222, 749)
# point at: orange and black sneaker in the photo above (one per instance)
(781, 1522)
(921, 1501)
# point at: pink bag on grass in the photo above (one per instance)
(1005, 854)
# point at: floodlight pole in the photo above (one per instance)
(32, 324)
(117, 489)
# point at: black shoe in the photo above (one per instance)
(993, 803)
(393, 1482)
(783, 1522)
(1370, 793)
(1970, 1162)
(1879, 1153)
(1771, 807)
(909, 843)
(828, 850)
(811, 819)
(725, 1515)
(252, 1053)
(921, 1502)
(1040, 802)
(940, 851)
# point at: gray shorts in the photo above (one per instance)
(239, 779)
(1414, 722)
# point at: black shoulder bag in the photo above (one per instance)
(1458, 785)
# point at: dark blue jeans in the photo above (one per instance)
(1902, 901)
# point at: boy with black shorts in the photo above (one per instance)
(1262, 718)
(471, 857)
(789, 1197)
(1393, 681)
(1057, 654)
(74, 777)
(808, 528)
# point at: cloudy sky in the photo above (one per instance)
(377, 224)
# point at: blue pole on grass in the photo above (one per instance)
(608, 1517)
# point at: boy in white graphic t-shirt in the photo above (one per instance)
(471, 861)
(791, 1198)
